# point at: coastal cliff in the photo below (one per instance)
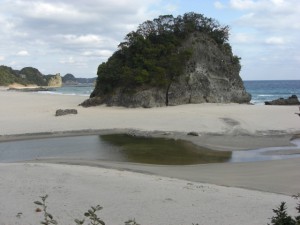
(211, 75)
(55, 81)
(28, 76)
(171, 61)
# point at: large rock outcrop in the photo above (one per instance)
(211, 76)
(55, 81)
(171, 61)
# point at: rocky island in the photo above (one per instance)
(171, 61)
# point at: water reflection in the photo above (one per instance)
(163, 151)
(126, 148)
(266, 154)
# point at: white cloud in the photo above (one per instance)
(2, 58)
(6, 24)
(260, 4)
(263, 32)
(9, 27)
(269, 14)
(69, 60)
(88, 30)
(74, 62)
(82, 39)
(100, 53)
(83, 33)
(171, 7)
(243, 4)
(12, 63)
(52, 11)
(275, 41)
(297, 58)
(22, 53)
(242, 38)
(219, 5)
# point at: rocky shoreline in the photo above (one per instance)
(292, 100)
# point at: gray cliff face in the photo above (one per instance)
(211, 76)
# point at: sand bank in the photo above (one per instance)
(126, 195)
(150, 199)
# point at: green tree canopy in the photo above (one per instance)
(9, 76)
(151, 55)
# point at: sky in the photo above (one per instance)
(75, 36)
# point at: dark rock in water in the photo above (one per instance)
(292, 100)
(193, 133)
(63, 112)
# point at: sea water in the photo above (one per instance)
(267, 90)
(261, 91)
(81, 90)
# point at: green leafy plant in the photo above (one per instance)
(297, 218)
(131, 222)
(92, 216)
(48, 218)
(281, 216)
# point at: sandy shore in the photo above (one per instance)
(32, 113)
(126, 195)
(151, 199)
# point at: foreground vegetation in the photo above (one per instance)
(281, 216)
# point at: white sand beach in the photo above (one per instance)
(229, 193)
(126, 195)
(32, 113)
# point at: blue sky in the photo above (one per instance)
(75, 36)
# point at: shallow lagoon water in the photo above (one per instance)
(126, 148)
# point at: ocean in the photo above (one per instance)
(267, 90)
(261, 90)
(82, 90)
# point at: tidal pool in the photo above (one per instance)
(164, 151)
(127, 148)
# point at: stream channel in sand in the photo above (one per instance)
(126, 148)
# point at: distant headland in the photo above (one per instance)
(32, 77)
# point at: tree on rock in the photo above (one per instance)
(154, 58)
